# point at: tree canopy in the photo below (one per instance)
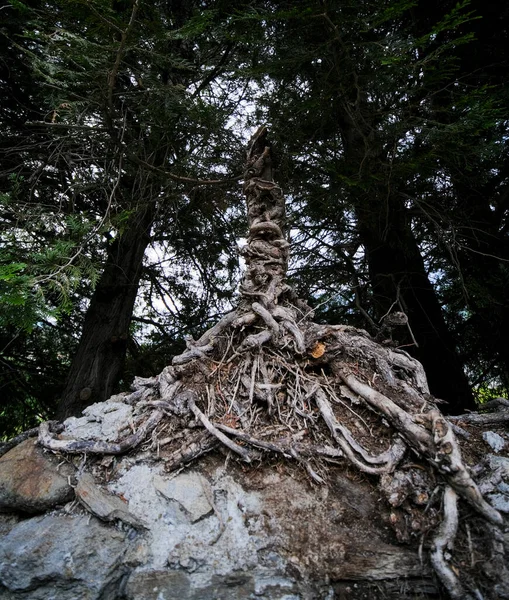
(122, 128)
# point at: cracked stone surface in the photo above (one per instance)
(211, 532)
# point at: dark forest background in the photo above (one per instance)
(122, 129)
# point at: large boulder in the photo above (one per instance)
(132, 527)
(32, 480)
(211, 532)
(60, 556)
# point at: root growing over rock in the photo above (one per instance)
(267, 380)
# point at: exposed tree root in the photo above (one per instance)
(444, 542)
(500, 416)
(242, 452)
(48, 440)
(266, 379)
(13, 442)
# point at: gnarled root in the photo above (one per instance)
(439, 445)
(47, 439)
(242, 452)
(265, 379)
(13, 442)
(349, 446)
(443, 542)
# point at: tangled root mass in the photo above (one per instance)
(266, 380)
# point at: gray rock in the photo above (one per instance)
(62, 557)
(219, 542)
(191, 490)
(500, 502)
(494, 440)
(503, 487)
(103, 505)
(500, 464)
(101, 421)
(31, 480)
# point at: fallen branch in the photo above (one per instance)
(494, 418)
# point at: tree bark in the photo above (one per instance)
(398, 276)
(97, 365)
(483, 254)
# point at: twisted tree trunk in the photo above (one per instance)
(98, 362)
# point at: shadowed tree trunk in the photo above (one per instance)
(483, 258)
(98, 362)
(400, 283)
(398, 276)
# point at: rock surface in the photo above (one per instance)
(63, 556)
(217, 530)
(31, 480)
(494, 440)
(100, 421)
(214, 531)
